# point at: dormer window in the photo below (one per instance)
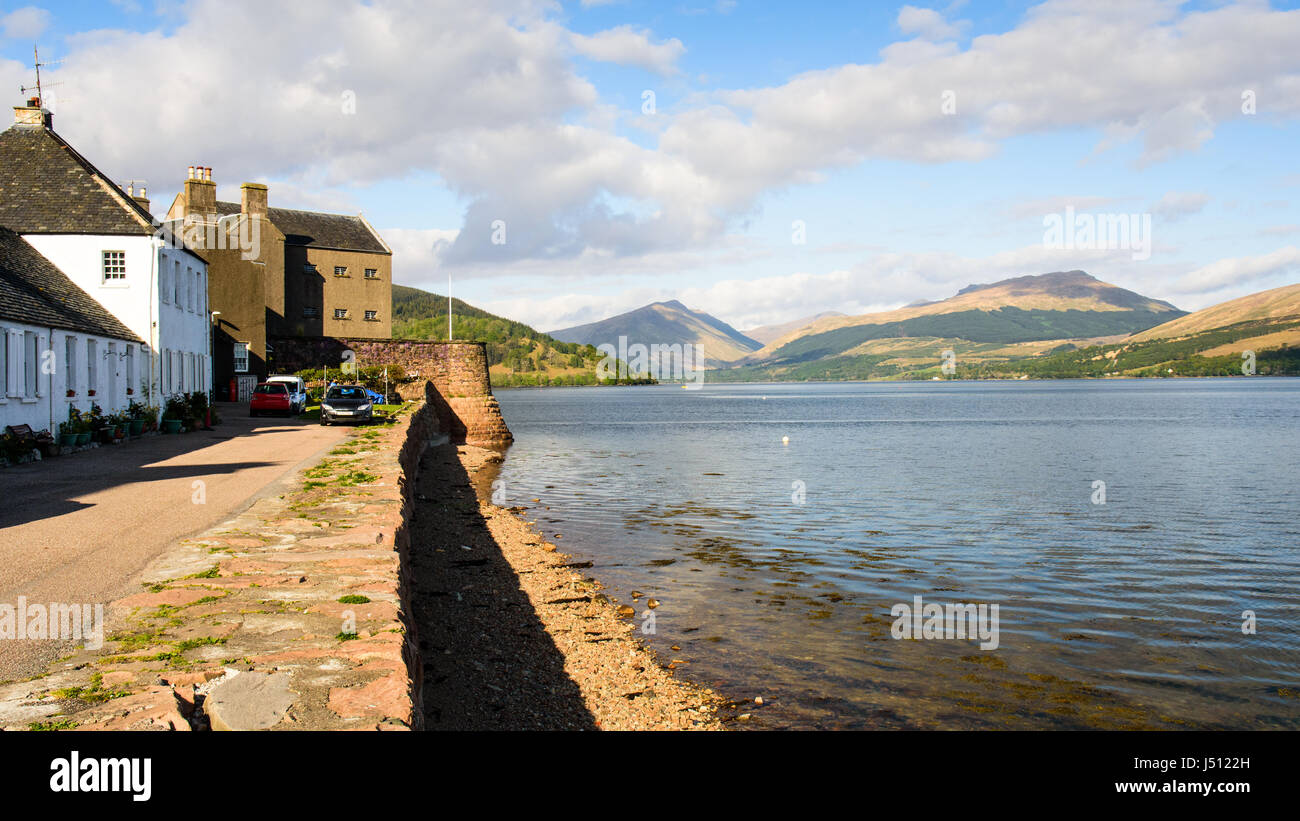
(114, 266)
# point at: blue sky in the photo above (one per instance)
(768, 117)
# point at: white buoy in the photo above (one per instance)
(785, 440)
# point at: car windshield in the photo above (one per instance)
(347, 393)
(273, 388)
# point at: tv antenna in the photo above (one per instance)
(39, 87)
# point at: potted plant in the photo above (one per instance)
(90, 392)
(71, 393)
(119, 423)
(76, 431)
(175, 413)
(135, 415)
(101, 429)
(198, 405)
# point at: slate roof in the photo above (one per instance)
(311, 228)
(35, 292)
(46, 187)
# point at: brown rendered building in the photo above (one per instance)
(276, 272)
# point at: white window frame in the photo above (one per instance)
(241, 347)
(130, 368)
(4, 364)
(340, 313)
(112, 267)
(70, 363)
(372, 316)
(92, 367)
(372, 273)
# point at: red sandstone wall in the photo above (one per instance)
(456, 373)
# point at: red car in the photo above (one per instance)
(270, 397)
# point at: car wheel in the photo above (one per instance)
(252, 412)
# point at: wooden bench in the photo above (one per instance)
(26, 434)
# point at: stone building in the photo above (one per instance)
(278, 272)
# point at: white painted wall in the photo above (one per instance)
(119, 365)
(162, 298)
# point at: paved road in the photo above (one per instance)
(80, 528)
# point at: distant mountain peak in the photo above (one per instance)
(1075, 277)
(666, 323)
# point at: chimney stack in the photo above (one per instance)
(200, 192)
(141, 198)
(253, 199)
(33, 114)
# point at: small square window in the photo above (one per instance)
(340, 313)
(311, 313)
(372, 316)
(372, 273)
(308, 268)
(340, 270)
(114, 265)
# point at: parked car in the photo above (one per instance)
(349, 403)
(297, 391)
(271, 397)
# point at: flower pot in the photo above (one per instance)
(137, 427)
(68, 440)
(83, 439)
(171, 426)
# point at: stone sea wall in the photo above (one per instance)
(294, 614)
(457, 372)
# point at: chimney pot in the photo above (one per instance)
(130, 189)
(207, 174)
(191, 172)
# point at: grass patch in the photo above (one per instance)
(51, 726)
(347, 636)
(354, 599)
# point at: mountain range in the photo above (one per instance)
(1058, 324)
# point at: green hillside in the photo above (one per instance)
(518, 355)
(1004, 325)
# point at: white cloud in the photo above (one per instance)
(1245, 274)
(25, 23)
(1176, 205)
(486, 97)
(625, 45)
(928, 23)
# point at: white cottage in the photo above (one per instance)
(42, 311)
(106, 242)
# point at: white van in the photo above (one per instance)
(297, 392)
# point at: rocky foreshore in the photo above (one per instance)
(513, 635)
